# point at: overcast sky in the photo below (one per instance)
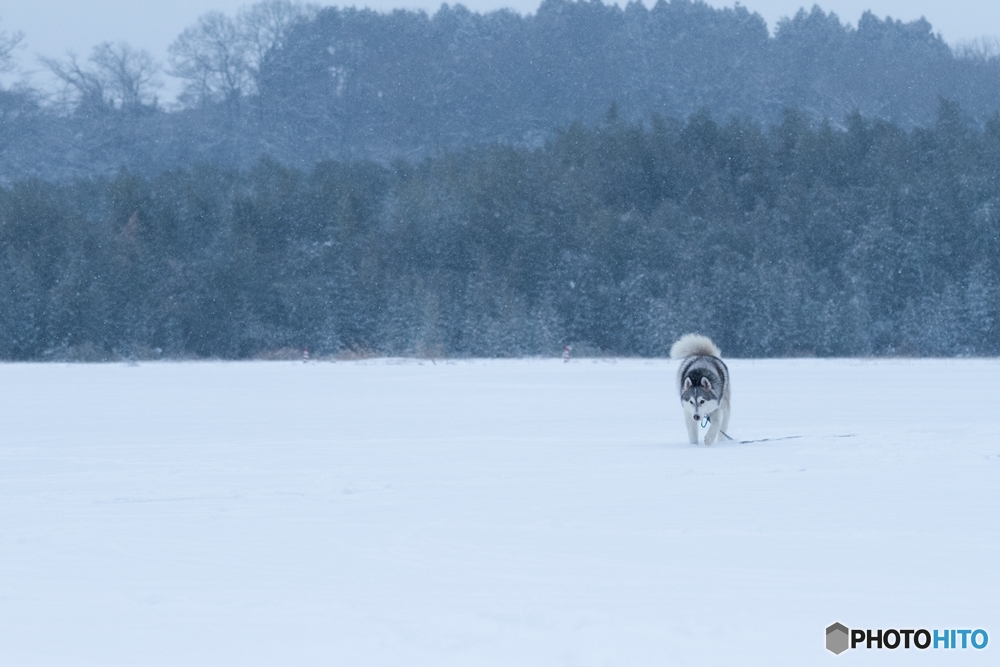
(53, 27)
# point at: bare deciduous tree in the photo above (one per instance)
(212, 57)
(86, 87)
(982, 49)
(118, 78)
(131, 75)
(8, 42)
(220, 57)
(266, 25)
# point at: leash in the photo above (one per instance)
(708, 420)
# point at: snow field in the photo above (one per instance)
(516, 512)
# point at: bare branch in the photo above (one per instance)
(266, 25)
(212, 57)
(88, 86)
(120, 78)
(8, 42)
(129, 75)
(220, 57)
(982, 49)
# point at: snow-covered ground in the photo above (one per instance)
(508, 513)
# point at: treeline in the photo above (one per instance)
(788, 239)
(301, 84)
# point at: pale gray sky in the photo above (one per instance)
(52, 27)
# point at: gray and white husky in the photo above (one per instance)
(703, 380)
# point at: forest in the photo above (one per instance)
(795, 237)
(301, 84)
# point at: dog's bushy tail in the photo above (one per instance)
(693, 344)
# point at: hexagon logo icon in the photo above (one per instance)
(837, 638)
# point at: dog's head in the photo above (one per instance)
(699, 399)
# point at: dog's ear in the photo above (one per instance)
(706, 384)
(687, 383)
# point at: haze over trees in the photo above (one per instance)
(496, 184)
(302, 84)
(799, 238)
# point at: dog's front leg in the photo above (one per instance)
(692, 425)
(713, 427)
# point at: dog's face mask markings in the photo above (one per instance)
(699, 399)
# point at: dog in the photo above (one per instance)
(703, 380)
